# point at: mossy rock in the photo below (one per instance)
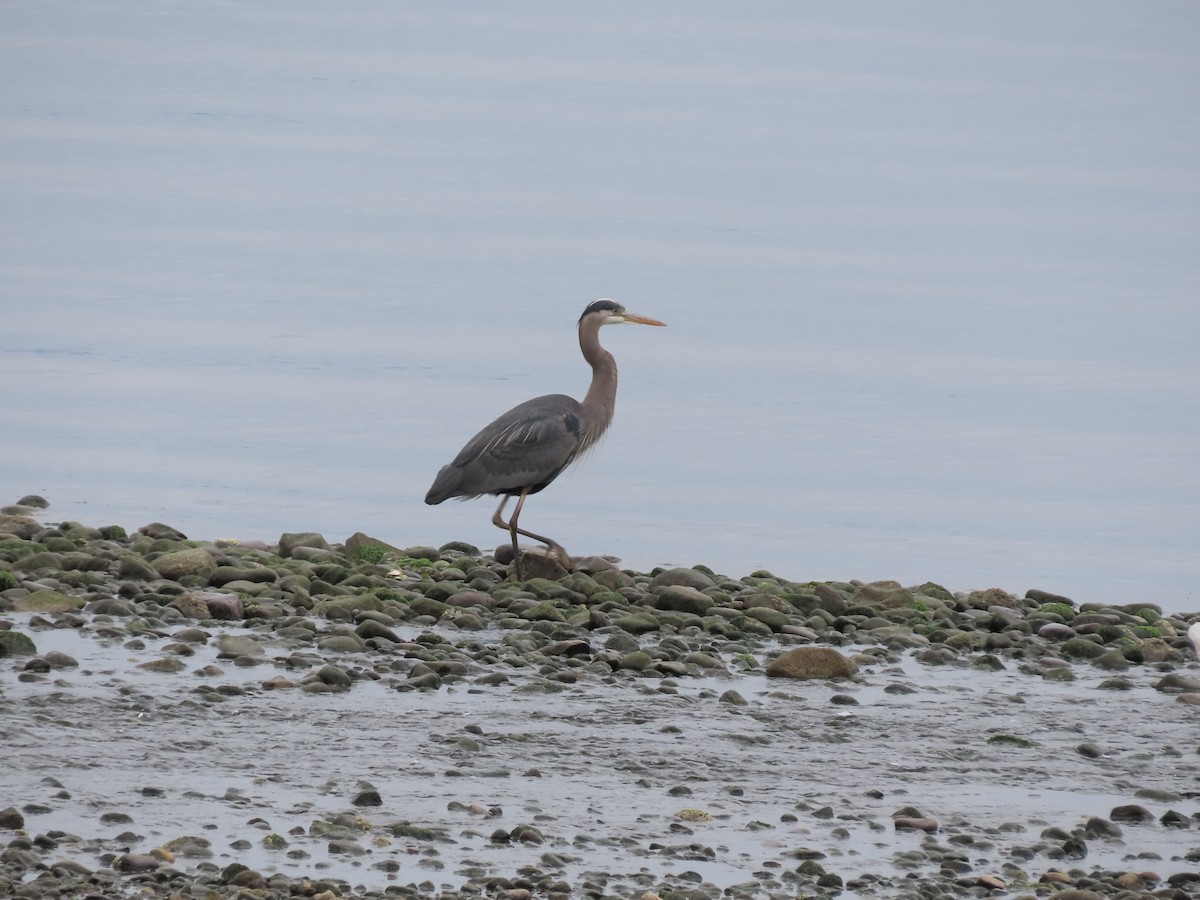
(48, 601)
(178, 564)
(34, 561)
(1064, 611)
(773, 619)
(349, 603)
(14, 643)
(637, 623)
(1082, 648)
(966, 640)
(545, 611)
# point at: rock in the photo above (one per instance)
(191, 605)
(180, 563)
(1097, 827)
(637, 661)
(223, 575)
(14, 643)
(159, 531)
(335, 676)
(24, 527)
(38, 562)
(683, 598)
(167, 666)
(317, 555)
(289, 541)
(684, 577)
(899, 635)
(225, 607)
(772, 618)
(832, 600)
(545, 611)
(915, 823)
(369, 797)
(360, 547)
(231, 646)
(1082, 648)
(811, 662)
(468, 599)
(136, 862)
(49, 601)
(640, 622)
(1174, 683)
(571, 647)
(11, 819)
(992, 597)
(535, 563)
(136, 568)
(1041, 597)
(423, 682)
(1131, 814)
(1056, 631)
(59, 660)
(1112, 660)
(369, 628)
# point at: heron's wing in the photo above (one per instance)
(525, 448)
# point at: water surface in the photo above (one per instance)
(930, 276)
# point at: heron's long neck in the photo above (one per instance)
(600, 401)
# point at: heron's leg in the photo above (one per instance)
(562, 554)
(514, 531)
(498, 521)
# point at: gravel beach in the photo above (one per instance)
(302, 718)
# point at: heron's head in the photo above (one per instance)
(610, 312)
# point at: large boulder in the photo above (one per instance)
(179, 563)
(811, 662)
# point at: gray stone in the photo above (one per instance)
(692, 578)
(289, 541)
(683, 598)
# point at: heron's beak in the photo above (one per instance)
(641, 320)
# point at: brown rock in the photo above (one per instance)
(909, 823)
(811, 662)
(177, 564)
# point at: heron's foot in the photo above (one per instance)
(559, 553)
(539, 562)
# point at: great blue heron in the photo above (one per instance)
(526, 448)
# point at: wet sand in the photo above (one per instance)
(633, 782)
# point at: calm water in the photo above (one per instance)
(931, 276)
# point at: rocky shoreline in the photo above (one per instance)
(517, 684)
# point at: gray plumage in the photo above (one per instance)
(525, 449)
